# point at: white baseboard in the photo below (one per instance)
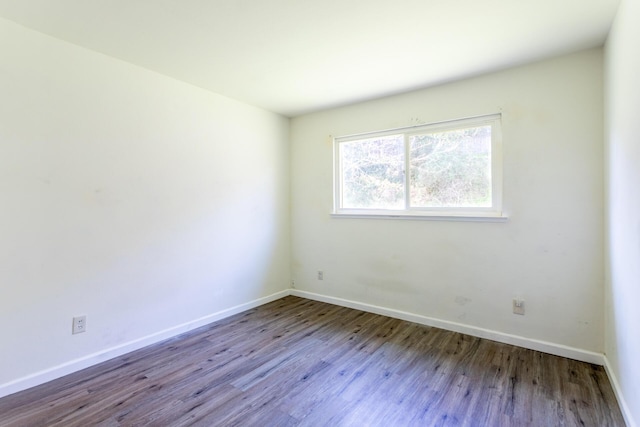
(101, 356)
(533, 344)
(95, 358)
(624, 408)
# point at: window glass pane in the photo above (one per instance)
(451, 169)
(373, 173)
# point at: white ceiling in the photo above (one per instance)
(298, 56)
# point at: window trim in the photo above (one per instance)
(493, 213)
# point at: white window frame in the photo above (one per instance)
(493, 213)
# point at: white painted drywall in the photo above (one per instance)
(550, 252)
(622, 109)
(135, 199)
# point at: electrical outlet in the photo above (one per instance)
(320, 275)
(518, 306)
(79, 324)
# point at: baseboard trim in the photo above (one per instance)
(533, 344)
(66, 368)
(622, 403)
(61, 370)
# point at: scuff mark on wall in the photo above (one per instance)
(462, 300)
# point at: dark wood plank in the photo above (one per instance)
(296, 362)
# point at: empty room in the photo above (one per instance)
(305, 213)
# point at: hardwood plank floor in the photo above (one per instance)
(296, 362)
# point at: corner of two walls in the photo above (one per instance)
(622, 159)
(142, 202)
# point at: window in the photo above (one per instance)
(442, 170)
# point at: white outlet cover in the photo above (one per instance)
(79, 324)
(518, 306)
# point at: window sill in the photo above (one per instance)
(424, 217)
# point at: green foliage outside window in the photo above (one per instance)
(446, 169)
(451, 168)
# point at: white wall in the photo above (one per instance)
(140, 201)
(623, 206)
(550, 252)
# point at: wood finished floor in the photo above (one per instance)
(296, 362)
